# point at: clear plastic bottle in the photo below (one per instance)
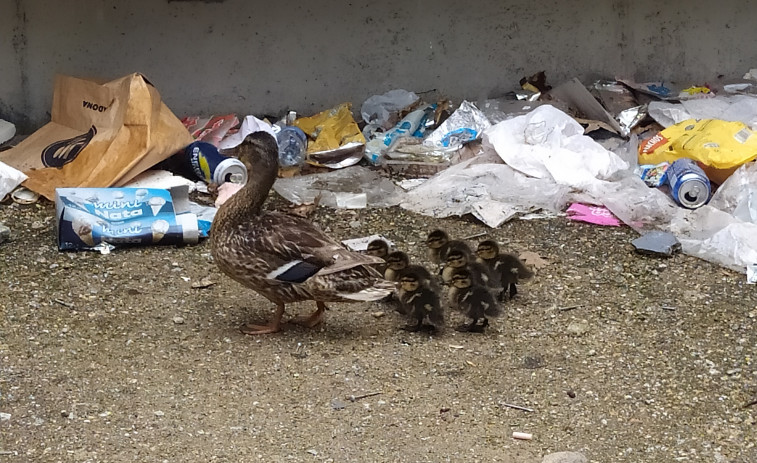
(292, 145)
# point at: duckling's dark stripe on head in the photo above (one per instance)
(294, 272)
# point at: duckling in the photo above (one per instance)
(507, 269)
(475, 301)
(285, 258)
(420, 302)
(378, 248)
(439, 245)
(458, 259)
(398, 261)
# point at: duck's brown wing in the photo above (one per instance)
(294, 249)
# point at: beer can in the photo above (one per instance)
(209, 165)
(689, 184)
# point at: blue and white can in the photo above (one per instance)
(689, 184)
(209, 165)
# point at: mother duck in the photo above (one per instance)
(285, 258)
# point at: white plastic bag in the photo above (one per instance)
(10, 178)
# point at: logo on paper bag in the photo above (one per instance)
(61, 152)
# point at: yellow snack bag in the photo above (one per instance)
(720, 147)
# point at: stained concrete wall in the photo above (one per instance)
(255, 57)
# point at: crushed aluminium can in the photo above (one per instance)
(209, 165)
(689, 184)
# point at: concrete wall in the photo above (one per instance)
(255, 57)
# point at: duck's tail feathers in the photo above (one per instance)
(378, 291)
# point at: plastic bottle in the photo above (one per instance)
(292, 145)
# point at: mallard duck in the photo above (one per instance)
(507, 269)
(475, 301)
(285, 258)
(420, 302)
(439, 245)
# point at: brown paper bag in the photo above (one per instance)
(100, 135)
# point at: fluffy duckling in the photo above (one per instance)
(439, 245)
(285, 258)
(420, 302)
(458, 259)
(378, 248)
(506, 269)
(398, 261)
(475, 301)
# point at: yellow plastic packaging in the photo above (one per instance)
(719, 147)
(330, 129)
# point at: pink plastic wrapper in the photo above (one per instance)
(210, 129)
(597, 215)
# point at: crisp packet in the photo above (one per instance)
(654, 175)
(90, 218)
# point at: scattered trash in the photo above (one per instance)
(77, 149)
(5, 416)
(7, 131)
(249, 125)
(210, 166)
(412, 125)
(597, 215)
(518, 407)
(88, 217)
(720, 147)
(210, 129)
(547, 143)
(579, 99)
(689, 185)
(351, 188)
(657, 243)
(355, 398)
(522, 435)
(10, 178)
(653, 175)
(293, 144)
(23, 196)
(331, 131)
(465, 124)
(361, 244)
(751, 272)
(382, 111)
(158, 178)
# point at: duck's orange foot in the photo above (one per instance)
(312, 320)
(251, 329)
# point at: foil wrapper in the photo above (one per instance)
(467, 123)
(630, 118)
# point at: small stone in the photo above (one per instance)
(5, 416)
(159, 413)
(178, 320)
(578, 328)
(378, 314)
(565, 457)
(337, 404)
(5, 233)
(313, 452)
(36, 225)
(571, 394)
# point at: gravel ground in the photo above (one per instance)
(625, 358)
